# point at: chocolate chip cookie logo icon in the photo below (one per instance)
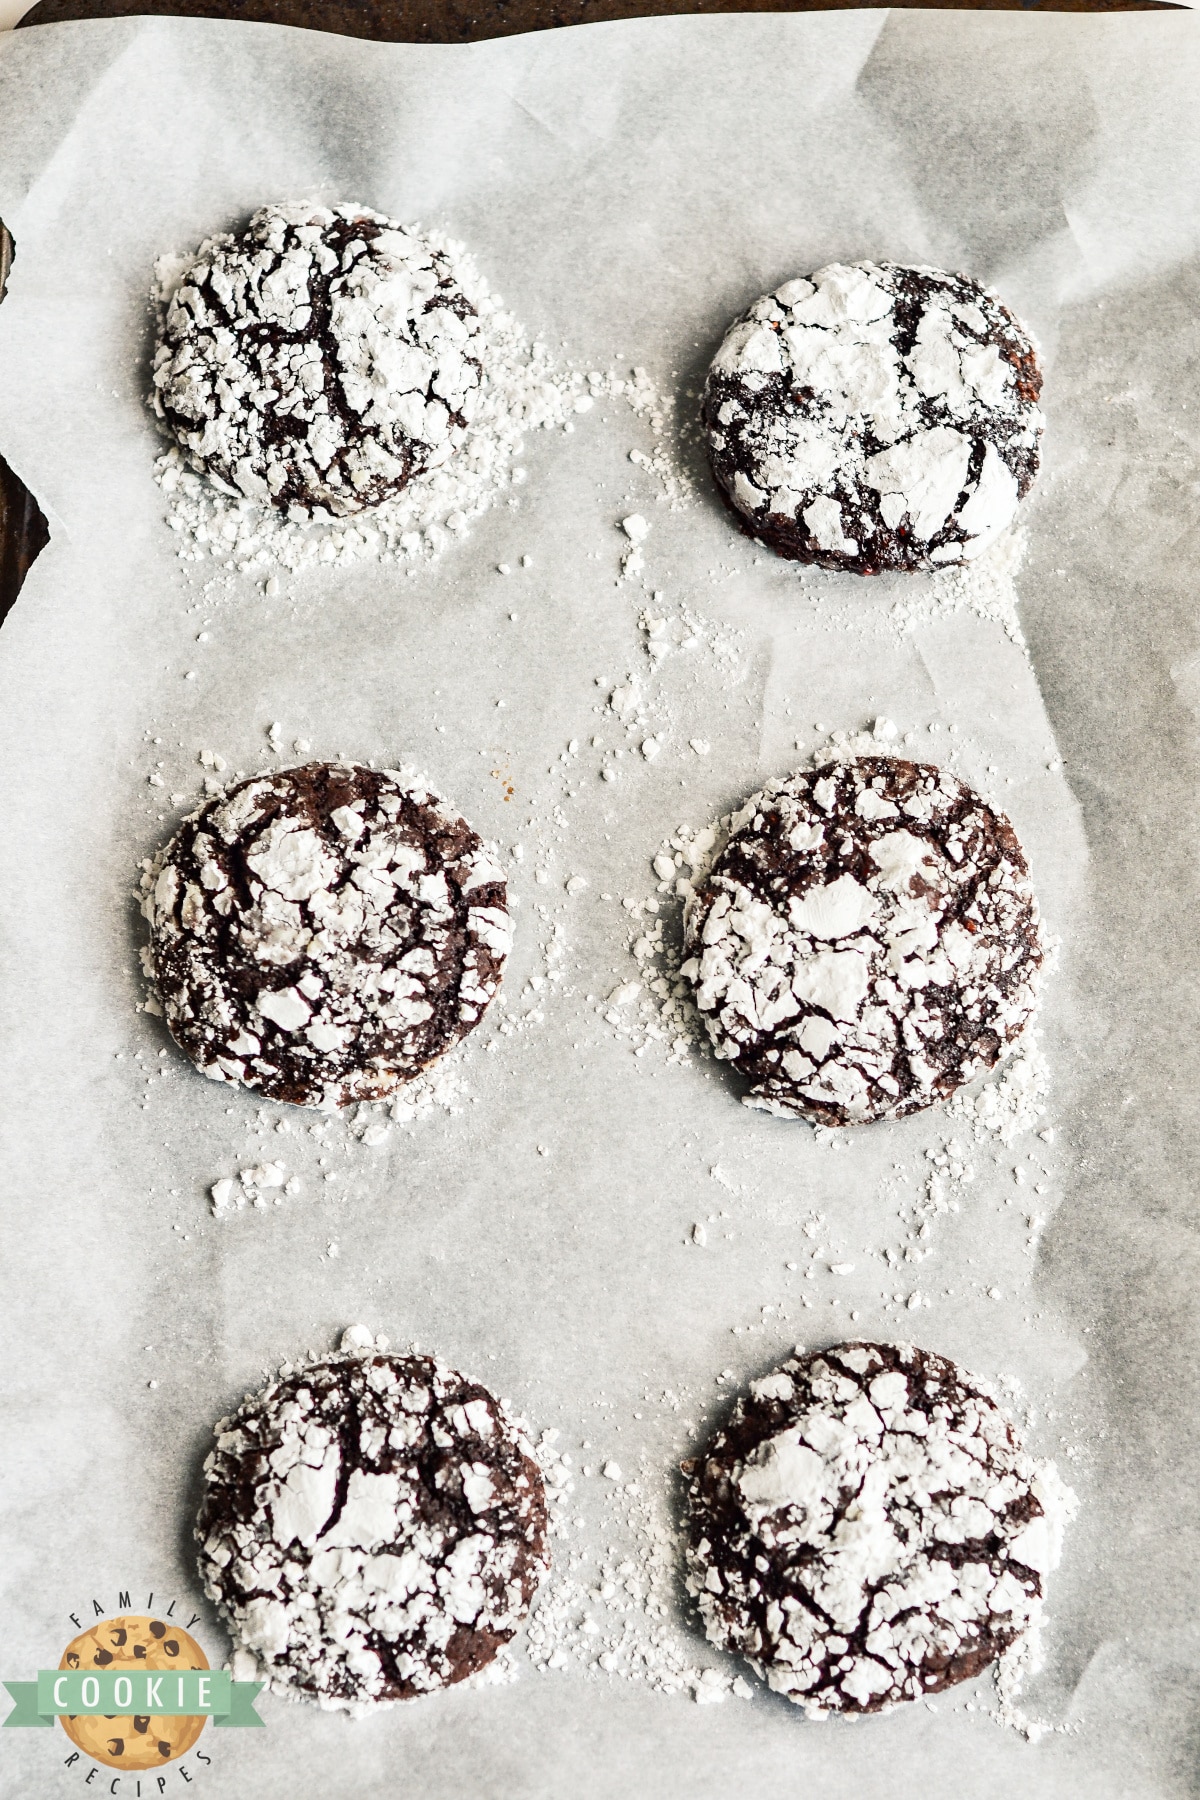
(133, 1692)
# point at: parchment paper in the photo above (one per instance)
(627, 188)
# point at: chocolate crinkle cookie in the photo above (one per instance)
(875, 417)
(324, 933)
(373, 1527)
(866, 942)
(318, 361)
(867, 1528)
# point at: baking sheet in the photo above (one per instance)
(627, 188)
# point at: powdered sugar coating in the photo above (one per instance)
(867, 1528)
(319, 360)
(875, 417)
(324, 933)
(373, 1527)
(867, 941)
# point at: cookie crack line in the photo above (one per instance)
(347, 1465)
(324, 933)
(875, 417)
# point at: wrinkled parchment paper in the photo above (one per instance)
(627, 188)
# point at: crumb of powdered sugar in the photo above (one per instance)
(658, 410)
(439, 1089)
(1013, 1103)
(263, 1184)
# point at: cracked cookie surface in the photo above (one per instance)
(324, 933)
(867, 1528)
(875, 417)
(319, 360)
(867, 941)
(373, 1527)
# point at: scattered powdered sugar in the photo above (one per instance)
(610, 1610)
(644, 398)
(667, 634)
(439, 1089)
(259, 1185)
(986, 587)
(1015, 1102)
(368, 1128)
(659, 1007)
(1027, 1657)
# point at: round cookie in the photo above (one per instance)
(867, 1528)
(318, 361)
(866, 942)
(875, 417)
(133, 1741)
(373, 1527)
(324, 933)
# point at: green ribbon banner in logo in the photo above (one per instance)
(112, 1693)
